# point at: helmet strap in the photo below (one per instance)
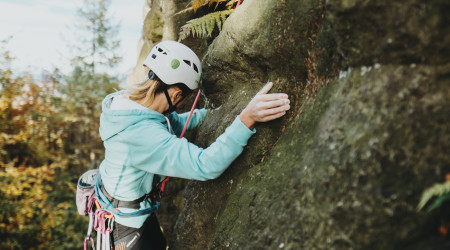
(153, 76)
(171, 106)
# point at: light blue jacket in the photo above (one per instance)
(139, 145)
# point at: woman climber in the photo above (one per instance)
(139, 128)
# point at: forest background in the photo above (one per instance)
(49, 135)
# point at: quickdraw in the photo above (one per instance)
(104, 225)
(101, 221)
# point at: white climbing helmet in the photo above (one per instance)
(174, 62)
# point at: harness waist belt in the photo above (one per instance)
(135, 204)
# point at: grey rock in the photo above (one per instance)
(369, 84)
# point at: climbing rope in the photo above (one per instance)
(160, 186)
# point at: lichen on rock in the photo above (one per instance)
(369, 83)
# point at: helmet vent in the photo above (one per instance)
(187, 62)
(161, 50)
(195, 68)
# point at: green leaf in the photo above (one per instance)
(438, 189)
(439, 201)
(204, 26)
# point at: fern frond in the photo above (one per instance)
(439, 201)
(438, 189)
(204, 26)
(184, 32)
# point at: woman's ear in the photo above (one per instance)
(176, 95)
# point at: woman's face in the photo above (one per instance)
(181, 103)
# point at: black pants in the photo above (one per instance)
(149, 236)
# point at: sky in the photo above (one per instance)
(40, 30)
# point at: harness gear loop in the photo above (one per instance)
(105, 203)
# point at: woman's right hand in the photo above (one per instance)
(265, 107)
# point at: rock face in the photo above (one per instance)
(369, 128)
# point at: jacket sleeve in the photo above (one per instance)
(177, 121)
(164, 154)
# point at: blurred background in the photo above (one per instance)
(58, 60)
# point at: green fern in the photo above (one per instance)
(442, 190)
(204, 26)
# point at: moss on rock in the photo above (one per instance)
(368, 131)
(346, 174)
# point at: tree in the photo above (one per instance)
(90, 82)
(46, 125)
(36, 210)
(28, 117)
(98, 43)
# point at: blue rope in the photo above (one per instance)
(106, 204)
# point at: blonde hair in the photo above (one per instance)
(145, 91)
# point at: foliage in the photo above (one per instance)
(204, 26)
(49, 135)
(30, 125)
(37, 208)
(440, 190)
(439, 194)
(88, 83)
(83, 94)
(97, 45)
(36, 191)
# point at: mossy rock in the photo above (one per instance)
(368, 130)
(348, 172)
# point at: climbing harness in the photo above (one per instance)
(94, 201)
(104, 200)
